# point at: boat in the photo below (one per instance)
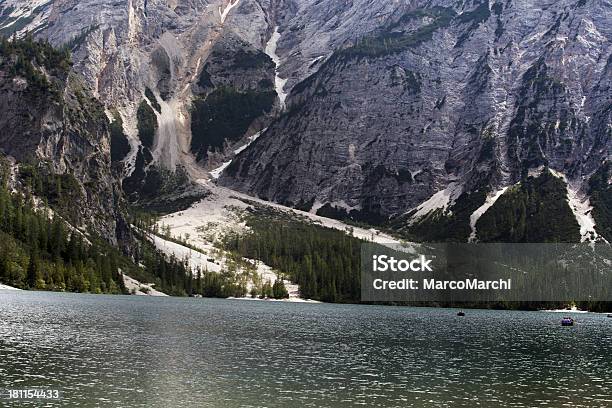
(610, 315)
(567, 321)
(461, 314)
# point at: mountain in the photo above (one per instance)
(64, 220)
(58, 134)
(437, 120)
(232, 147)
(431, 114)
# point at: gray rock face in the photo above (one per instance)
(389, 102)
(155, 52)
(433, 94)
(122, 48)
(234, 76)
(63, 131)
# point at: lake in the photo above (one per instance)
(167, 352)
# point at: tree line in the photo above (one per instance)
(324, 262)
(24, 57)
(231, 281)
(39, 251)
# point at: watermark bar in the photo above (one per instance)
(34, 393)
(494, 272)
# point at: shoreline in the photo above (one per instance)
(137, 288)
(287, 300)
(566, 311)
(158, 294)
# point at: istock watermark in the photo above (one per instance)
(383, 263)
(486, 272)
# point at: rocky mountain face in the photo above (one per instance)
(58, 136)
(462, 99)
(150, 63)
(439, 119)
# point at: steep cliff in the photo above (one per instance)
(58, 135)
(430, 117)
(437, 108)
(146, 61)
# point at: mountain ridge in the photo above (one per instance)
(390, 105)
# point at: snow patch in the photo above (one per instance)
(315, 60)
(489, 201)
(343, 205)
(415, 173)
(316, 206)
(440, 200)
(7, 287)
(339, 204)
(250, 140)
(581, 208)
(195, 259)
(216, 173)
(225, 12)
(279, 83)
(134, 287)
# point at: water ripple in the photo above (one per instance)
(141, 351)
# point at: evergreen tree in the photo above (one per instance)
(199, 282)
(279, 291)
(266, 291)
(33, 274)
(189, 286)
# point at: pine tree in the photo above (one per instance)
(5, 269)
(266, 291)
(33, 274)
(189, 288)
(199, 283)
(71, 249)
(279, 291)
(107, 273)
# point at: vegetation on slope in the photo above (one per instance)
(600, 192)
(392, 40)
(324, 262)
(60, 191)
(535, 210)
(251, 60)
(440, 225)
(147, 124)
(24, 57)
(224, 116)
(230, 282)
(39, 251)
(120, 147)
